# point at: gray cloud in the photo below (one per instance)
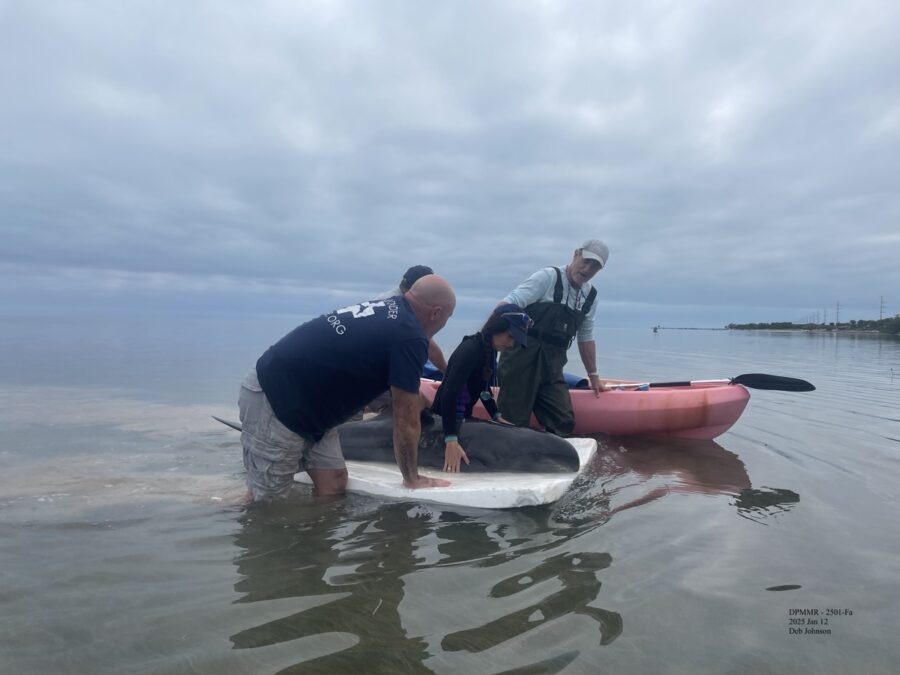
(741, 160)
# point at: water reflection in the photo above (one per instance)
(354, 565)
(757, 505)
(359, 585)
(378, 573)
(577, 572)
(630, 472)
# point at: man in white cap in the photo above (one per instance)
(562, 304)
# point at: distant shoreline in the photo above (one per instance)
(809, 331)
(817, 331)
(889, 326)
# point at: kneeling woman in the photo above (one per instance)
(470, 371)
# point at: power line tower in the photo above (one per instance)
(881, 311)
(837, 314)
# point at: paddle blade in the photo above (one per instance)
(776, 382)
(234, 425)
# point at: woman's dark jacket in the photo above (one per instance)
(467, 380)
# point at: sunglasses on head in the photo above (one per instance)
(519, 317)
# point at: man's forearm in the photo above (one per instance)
(588, 351)
(407, 429)
(406, 450)
(436, 356)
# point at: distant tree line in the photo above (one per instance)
(888, 326)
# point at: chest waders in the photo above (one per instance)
(531, 378)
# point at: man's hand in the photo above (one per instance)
(425, 481)
(588, 351)
(453, 453)
(407, 407)
(596, 385)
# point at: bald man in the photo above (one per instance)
(411, 276)
(318, 375)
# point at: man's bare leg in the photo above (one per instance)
(328, 482)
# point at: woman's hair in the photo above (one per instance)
(495, 324)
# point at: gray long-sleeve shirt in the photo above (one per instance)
(539, 287)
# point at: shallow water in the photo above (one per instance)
(123, 547)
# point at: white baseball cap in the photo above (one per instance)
(594, 249)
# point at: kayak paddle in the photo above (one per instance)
(234, 425)
(751, 380)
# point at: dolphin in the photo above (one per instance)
(490, 446)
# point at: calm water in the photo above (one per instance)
(122, 548)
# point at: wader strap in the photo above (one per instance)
(554, 338)
(557, 290)
(586, 307)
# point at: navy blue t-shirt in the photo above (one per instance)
(321, 373)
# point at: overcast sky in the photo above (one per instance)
(741, 159)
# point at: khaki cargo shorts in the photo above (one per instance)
(272, 452)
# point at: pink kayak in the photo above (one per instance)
(696, 411)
